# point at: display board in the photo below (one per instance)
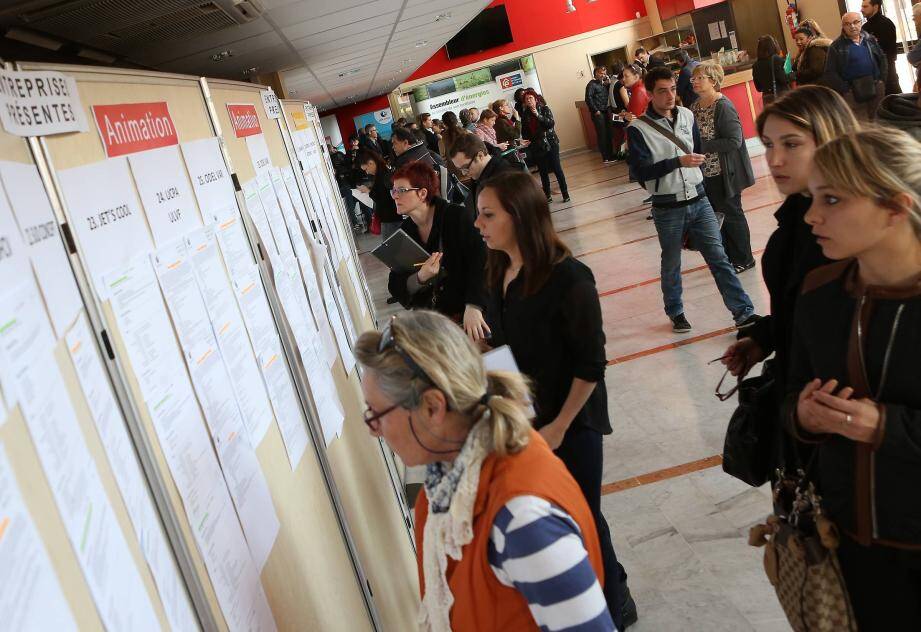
(356, 462)
(157, 232)
(81, 543)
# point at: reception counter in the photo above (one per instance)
(738, 87)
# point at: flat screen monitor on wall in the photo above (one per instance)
(487, 30)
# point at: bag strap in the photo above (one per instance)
(667, 133)
(773, 78)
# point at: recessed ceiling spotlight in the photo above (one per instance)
(441, 17)
(421, 43)
(250, 71)
(221, 55)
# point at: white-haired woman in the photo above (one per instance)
(855, 387)
(727, 168)
(506, 540)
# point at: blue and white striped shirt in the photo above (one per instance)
(536, 548)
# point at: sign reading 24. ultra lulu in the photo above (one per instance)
(127, 128)
(244, 119)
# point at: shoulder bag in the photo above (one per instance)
(753, 431)
(800, 558)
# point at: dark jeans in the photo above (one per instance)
(551, 162)
(582, 453)
(737, 239)
(697, 221)
(603, 134)
(893, 86)
(884, 585)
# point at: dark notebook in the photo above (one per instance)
(400, 252)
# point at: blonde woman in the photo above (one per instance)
(855, 387)
(506, 540)
(727, 167)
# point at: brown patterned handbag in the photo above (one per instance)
(800, 560)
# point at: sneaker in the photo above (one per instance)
(743, 268)
(680, 324)
(567, 199)
(629, 614)
(549, 198)
(648, 200)
(748, 321)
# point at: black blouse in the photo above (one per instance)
(384, 206)
(555, 335)
(463, 262)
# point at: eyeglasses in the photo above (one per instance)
(398, 191)
(718, 392)
(466, 168)
(372, 418)
(854, 23)
(387, 342)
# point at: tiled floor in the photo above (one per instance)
(683, 540)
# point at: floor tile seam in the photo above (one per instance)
(639, 284)
(615, 246)
(664, 474)
(671, 345)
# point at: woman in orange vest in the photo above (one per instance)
(505, 537)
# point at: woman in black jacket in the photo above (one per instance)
(543, 304)
(373, 164)
(451, 280)
(727, 168)
(537, 127)
(791, 129)
(855, 387)
(768, 72)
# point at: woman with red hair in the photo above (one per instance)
(451, 280)
(537, 126)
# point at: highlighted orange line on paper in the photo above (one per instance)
(270, 362)
(224, 328)
(3, 525)
(249, 287)
(204, 356)
(174, 264)
(76, 347)
(228, 223)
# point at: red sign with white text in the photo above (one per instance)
(127, 128)
(244, 118)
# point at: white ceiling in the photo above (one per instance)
(330, 52)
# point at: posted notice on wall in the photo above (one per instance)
(126, 128)
(40, 103)
(270, 102)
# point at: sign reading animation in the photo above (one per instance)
(481, 96)
(127, 128)
(244, 118)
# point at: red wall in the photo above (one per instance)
(346, 114)
(536, 22)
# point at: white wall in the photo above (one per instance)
(331, 130)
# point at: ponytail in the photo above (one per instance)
(505, 411)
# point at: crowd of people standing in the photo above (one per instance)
(527, 541)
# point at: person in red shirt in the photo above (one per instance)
(639, 99)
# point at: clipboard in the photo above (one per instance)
(400, 252)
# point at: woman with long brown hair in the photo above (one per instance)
(544, 305)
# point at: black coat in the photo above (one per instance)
(735, 163)
(596, 96)
(769, 76)
(883, 29)
(869, 490)
(790, 254)
(540, 131)
(431, 140)
(384, 206)
(837, 60)
(556, 335)
(463, 263)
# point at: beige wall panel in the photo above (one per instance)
(309, 569)
(360, 471)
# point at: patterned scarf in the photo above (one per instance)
(451, 489)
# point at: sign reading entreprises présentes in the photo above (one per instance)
(40, 103)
